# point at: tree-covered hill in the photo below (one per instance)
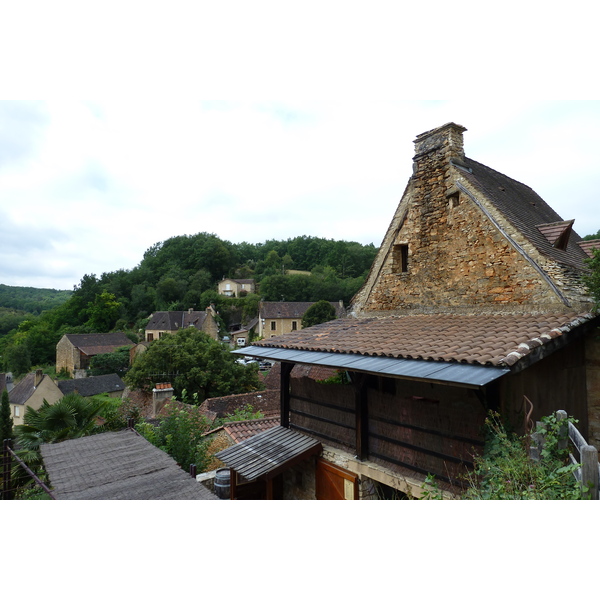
(31, 300)
(180, 273)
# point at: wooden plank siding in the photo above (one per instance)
(421, 426)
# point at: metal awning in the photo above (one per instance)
(404, 368)
(269, 453)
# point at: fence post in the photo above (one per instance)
(563, 430)
(6, 468)
(589, 471)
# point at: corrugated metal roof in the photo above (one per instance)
(464, 374)
(267, 454)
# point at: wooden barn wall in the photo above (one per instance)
(427, 427)
(554, 383)
(324, 410)
(405, 418)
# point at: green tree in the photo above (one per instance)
(6, 422)
(592, 278)
(111, 362)
(17, 359)
(320, 312)
(103, 312)
(191, 360)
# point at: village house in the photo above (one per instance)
(75, 351)
(236, 288)
(166, 322)
(473, 303)
(31, 391)
(278, 318)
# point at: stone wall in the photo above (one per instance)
(448, 248)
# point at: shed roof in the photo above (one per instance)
(270, 453)
(118, 465)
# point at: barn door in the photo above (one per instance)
(335, 483)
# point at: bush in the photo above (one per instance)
(506, 472)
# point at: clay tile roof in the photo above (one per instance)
(588, 245)
(498, 340)
(242, 430)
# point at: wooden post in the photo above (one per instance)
(361, 415)
(589, 471)
(232, 484)
(193, 471)
(286, 369)
(563, 430)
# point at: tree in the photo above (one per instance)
(191, 360)
(592, 278)
(111, 362)
(17, 359)
(103, 312)
(6, 422)
(320, 312)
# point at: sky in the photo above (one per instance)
(267, 123)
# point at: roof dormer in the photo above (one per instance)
(557, 233)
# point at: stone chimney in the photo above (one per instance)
(39, 375)
(443, 143)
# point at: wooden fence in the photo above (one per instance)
(588, 472)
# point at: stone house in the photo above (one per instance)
(474, 302)
(165, 322)
(75, 351)
(236, 288)
(31, 391)
(278, 318)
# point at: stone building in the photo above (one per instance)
(236, 288)
(75, 351)
(474, 302)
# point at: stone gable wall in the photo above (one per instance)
(459, 258)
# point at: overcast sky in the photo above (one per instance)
(234, 126)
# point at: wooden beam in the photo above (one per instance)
(286, 369)
(361, 413)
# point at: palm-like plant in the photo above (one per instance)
(71, 417)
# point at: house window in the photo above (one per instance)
(273, 325)
(294, 325)
(400, 258)
(150, 337)
(17, 411)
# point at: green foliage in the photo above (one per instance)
(592, 236)
(31, 300)
(103, 312)
(17, 359)
(6, 421)
(193, 361)
(70, 417)
(506, 472)
(111, 362)
(592, 278)
(180, 434)
(320, 312)
(246, 413)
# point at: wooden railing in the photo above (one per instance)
(588, 472)
(8, 457)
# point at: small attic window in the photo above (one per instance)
(400, 258)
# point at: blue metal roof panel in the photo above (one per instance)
(464, 374)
